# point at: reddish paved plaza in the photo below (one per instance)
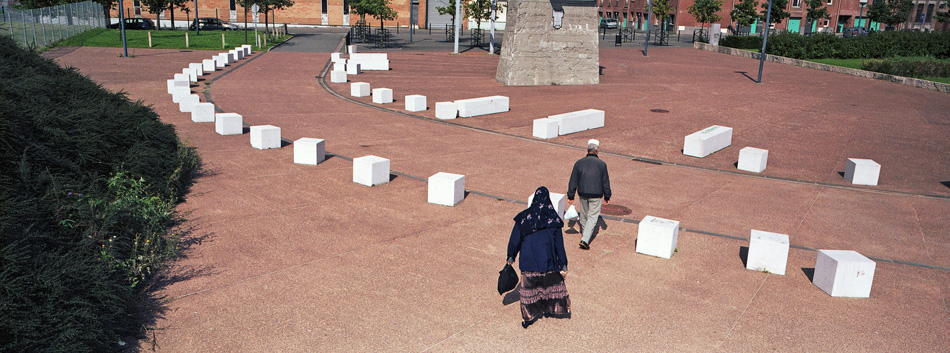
(298, 258)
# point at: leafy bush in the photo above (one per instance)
(908, 67)
(876, 45)
(87, 187)
(742, 42)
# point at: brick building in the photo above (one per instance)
(304, 12)
(844, 14)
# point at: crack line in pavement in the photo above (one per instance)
(322, 81)
(743, 311)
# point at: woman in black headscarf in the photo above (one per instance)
(537, 236)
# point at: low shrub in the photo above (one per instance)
(875, 45)
(742, 42)
(909, 67)
(88, 183)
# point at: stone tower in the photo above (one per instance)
(550, 42)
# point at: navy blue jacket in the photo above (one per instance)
(541, 251)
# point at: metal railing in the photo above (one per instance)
(37, 28)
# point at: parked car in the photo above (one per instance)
(136, 23)
(608, 23)
(211, 24)
(855, 32)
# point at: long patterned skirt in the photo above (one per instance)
(544, 293)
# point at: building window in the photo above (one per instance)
(323, 7)
(232, 5)
(346, 7)
(796, 3)
(830, 2)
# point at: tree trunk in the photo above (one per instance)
(171, 10)
(158, 22)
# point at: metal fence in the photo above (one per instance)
(37, 28)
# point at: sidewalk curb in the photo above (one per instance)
(913, 82)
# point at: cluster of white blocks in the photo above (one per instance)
(704, 142)
(481, 106)
(446, 188)
(657, 236)
(568, 123)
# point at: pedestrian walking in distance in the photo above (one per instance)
(590, 181)
(543, 263)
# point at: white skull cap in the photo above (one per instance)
(593, 142)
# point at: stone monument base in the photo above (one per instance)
(534, 53)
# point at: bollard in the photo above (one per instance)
(186, 40)
(149, 39)
(258, 41)
(223, 45)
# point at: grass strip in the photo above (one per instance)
(168, 39)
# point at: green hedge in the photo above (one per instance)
(826, 45)
(909, 67)
(88, 178)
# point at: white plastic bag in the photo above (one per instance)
(571, 213)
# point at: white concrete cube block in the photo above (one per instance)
(370, 170)
(338, 76)
(238, 53)
(265, 137)
(382, 95)
(221, 60)
(228, 58)
(351, 49)
(415, 103)
(208, 65)
(309, 151)
(359, 89)
(446, 188)
(482, 106)
(232, 56)
(753, 159)
(569, 123)
(557, 200)
(767, 252)
(704, 142)
(192, 74)
(228, 124)
(179, 92)
(182, 77)
(862, 171)
(370, 61)
(844, 273)
(248, 49)
(657, 236)
(446, 110)
(187, 103)
(171, 85)
(339, 66)
(336, 57)
(198, 68)
(545, 128)
(352, 68)
(203, 113)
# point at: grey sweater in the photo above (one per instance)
(589, 179)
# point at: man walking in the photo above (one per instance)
(592, 184)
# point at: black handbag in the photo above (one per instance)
(507, 279)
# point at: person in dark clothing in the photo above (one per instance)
(592, 184)
(543, 263)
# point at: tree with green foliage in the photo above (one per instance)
(815, 11)
(890, 12)
(156, 7)
(268, 7)
(172, 5)
(479, 10)
(778, 12)
(744, 13)
(449, 9)
(706, 11)
(662, 9)
(378, 9)
(944, 17)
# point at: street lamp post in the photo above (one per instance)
(863, 3)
